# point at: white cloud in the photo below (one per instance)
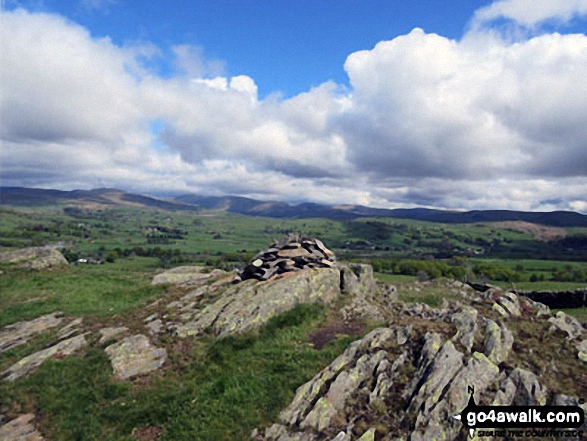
(190, 59)
(531, 12)
(427, 106)
(475, 123)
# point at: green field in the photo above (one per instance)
(219, 390)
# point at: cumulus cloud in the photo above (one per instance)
(531, 12)
(473, 123)
(427, 106)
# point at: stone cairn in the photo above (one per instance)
(293, 254)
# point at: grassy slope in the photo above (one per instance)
(207, 390)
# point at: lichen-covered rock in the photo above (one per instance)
(20, 429)
(342, 388)
(436, 422)
(70, 329)
(186, 275)
(498, 341)
(21, 332)
(582, 348)
(135, 356)
(110, 333)
(466, 322)
(309, 393)
(369, 435)
(540, 308)
(509, 304)
(361, 309)
(521, 388)
(248, 305)
(35, 258)
(28, 364)
(357, 279)
(567, 324)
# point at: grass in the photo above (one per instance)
(210, 390)
(76, 290)
(391, 278)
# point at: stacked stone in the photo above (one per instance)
(295, 254)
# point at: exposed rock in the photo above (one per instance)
(357, 279)
(110, 333)
(185, 276)
(19, 333)
(135, 356)
(568, 324)
(248, 305)
(155, 327)
(540, 308)
(498, 341)
(342, 388)
(20, 429)
(308, 394)
(434, 421)
(293, 254)
(359, 308)
(509, 304)
(369, 435)
(35, 258)
(582, 348)
(70, 329)
(342, 436)
(466, 322)
(30, 363)
(434, 376)
(521, 388)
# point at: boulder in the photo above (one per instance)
(35, 258)
(135, 356)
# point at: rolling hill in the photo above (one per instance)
(110, 198)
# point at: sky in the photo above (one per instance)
(460, 104)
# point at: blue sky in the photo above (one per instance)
(454, 104)
(287, 46)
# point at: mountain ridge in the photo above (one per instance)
(107, 197)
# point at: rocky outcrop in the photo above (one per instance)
(32, 362)
(21, 332)
(34, 258)
(111, 333)
(248, 305)
(401, 382)
(566, 323)
(20, 429)
(135, 356)
(186, 276)
(294, 254)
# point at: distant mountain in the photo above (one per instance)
(98, 198)
(107, 197)
(252, 207)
